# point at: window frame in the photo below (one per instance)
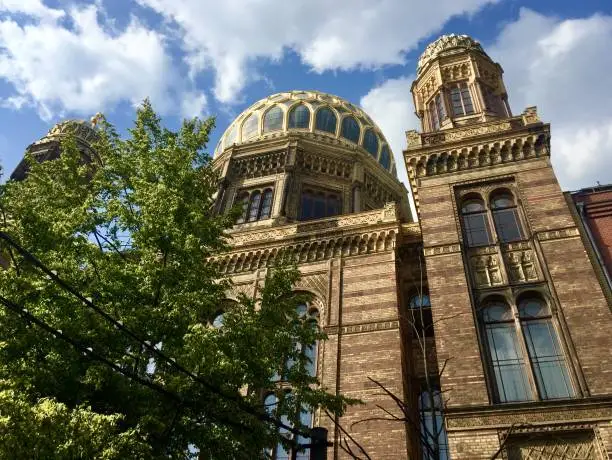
(345, 129)
(316, 120)
(330, 196)
(291, 113)
(516, 322)
(466, 215)
(460, 89)
(436, 108)
(265, 128)
(247, 196)
(426, 324)
(499, 211)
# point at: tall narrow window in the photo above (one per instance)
(370, 142)
(506, 358)
(273, 120)
(505, 216)
(266, 204)
(243, 200)
(545, 353)
(385, 157)
(461, 99)
(350, 129)
(279, 452)
(299, 117)
(254, 206)
(434, 441)
(420, 315)
(475, 222)
(249, 127)
(437, 113)
(326, 120)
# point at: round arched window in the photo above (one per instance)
(326, 120)
(370, 142)
(299, 117)
(385, 157)
(249, 127)
(506, 217)
(350, 129)
(273, 120)
(475, 222)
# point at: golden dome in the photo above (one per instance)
(447, 45)
(80, 129)
(308, 111)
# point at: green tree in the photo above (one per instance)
(134, 232)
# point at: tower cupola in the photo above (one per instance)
(458, 84)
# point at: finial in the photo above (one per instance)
(96, 119)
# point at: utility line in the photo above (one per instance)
(148, 344)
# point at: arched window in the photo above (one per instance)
(420, 315)
(505, 353)
(273, 120)
(326, 120)
(254, 206)
(317, 204)
(505, 217)
(266, 204)
(249, 127)
(299, 117)
(231, 136)
(370, 143)
(432, 424)
(475, 222)
(280, 452)
(461, 99)
(243, 200)
(437, 112)
(350, 129)
(545, 353)
(385, 157)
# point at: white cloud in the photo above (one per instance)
(85, 68)
(390, 106)
(194, 104)
(229, 35)
(563, 67)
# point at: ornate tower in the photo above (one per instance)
(523, 332)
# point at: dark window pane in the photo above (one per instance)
(326, 120)
(440, 108)
(385, 157)
(533, 308)
(307, 205)
(273, 120)
(333, 205)
(507, 225)
(319, 206)
(266, 204)
(420, 315)
(370, 142)
(433, 114)
(254, 206)
(503, 200)
(476, 229)
(243, 200)
(299, 117)
(467, 99)
(350, 129)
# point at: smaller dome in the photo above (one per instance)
(447, 45)
(81, 129)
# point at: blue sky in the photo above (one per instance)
(65, 59)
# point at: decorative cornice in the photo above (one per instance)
(569, 232)
(532, 414)
(443, 249)
(357, 328)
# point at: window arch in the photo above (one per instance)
(420, 314)
(231, 136)
(505, 352)
(385, 157)
(254, 203)
(299, 117)
(266, 204)
(326, 120)
(545, 353)
(273, 120)
(370, 142)
(250, 127)
(437, 111)
(505, 216)
(475, 221)
(350, 129)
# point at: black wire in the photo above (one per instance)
(262, 416)
(88, 351)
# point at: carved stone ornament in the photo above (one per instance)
(445, 45)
